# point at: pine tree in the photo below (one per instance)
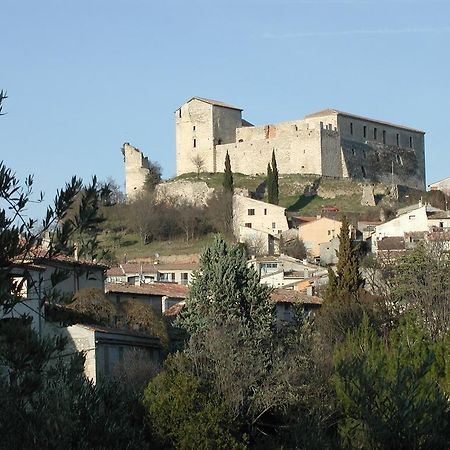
(347, 282)
(225, 289)
(269, 184)
(228, 184)
(275, 180)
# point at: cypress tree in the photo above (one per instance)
(275, 180)
(348, 281)
(228, 184)
(269, 184)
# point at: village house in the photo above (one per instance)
(413, 224)
(142, 273)
(258, 224)
(110, 350)
(28, 278)
(287, 299)
(284, 271)
(160, 296)
(314, 233)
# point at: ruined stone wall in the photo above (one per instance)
(181, 191)
(136, 170)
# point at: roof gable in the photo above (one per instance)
(214, 103)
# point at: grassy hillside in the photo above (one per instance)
(299, 194)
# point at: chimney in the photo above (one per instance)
(164, 303)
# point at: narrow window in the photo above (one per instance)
(384, 136)
(377, 155)
(353, 151)
(375, 133)
(179, 113)
(397, 137)
(193, 128)
(251, 212)
(351, 127)
(364, 131)
(219, 142)
(410, 142)
(321, 125)
(265, 211)
(364, 154)
(274, 225)
(363, 171)
(195, 143)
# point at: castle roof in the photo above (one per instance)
(214, 103)
(332, 112)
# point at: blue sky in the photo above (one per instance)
(85, 76)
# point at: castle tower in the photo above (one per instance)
(201, 124)
(136, 170)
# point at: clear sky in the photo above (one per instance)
(85, 76)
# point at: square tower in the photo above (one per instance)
(200, 125)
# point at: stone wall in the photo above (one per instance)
(181, 191)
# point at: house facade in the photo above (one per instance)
(321, 230)
(258, 224)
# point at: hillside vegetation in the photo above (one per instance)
(299, 194)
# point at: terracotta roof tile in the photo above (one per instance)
(172, 290)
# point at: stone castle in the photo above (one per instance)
(328, 143)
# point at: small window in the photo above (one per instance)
(365, 131)
(364, 154)
(179, 113)
(193, 128)
(265, 211)
(377, 155)
(353, 151)
(441, 224)
(384, 136)
(375, 133)
(248, 225)
(321, 125)
(412, 217)
(329, 232)
(251, 212)
(351, 127)
(397, 139)
(241, 140)
(219, 142)
(410, 142)
(195, 143)
(363, 171)
(274, 225)
(296, 127)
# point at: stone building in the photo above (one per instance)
(328, 143)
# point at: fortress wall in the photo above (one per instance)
(278, 130)
(389, 140)
(225, 123)
(299, 153)
(199, 115)
(331, 153)
(375, 162)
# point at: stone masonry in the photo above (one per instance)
(136, 170)
(327, 143)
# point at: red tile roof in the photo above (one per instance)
(174, 310)
(172, 290)
(291, 296)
